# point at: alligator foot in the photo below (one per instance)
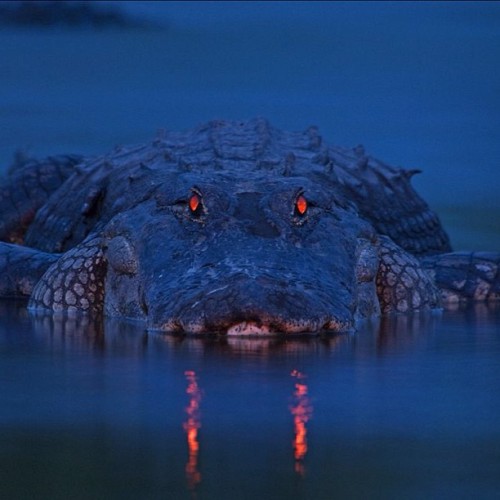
(75, 282)
(402, 284)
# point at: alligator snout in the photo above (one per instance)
(257, 307)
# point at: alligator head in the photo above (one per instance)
(239, 257)
(223, 254)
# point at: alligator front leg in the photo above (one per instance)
(465, 276)
(403, 285)
(21, 268)
(75, 282)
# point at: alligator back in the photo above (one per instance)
(100, 188)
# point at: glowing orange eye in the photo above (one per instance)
(194, 202)
(301, 205)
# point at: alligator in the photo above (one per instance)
(235, 228)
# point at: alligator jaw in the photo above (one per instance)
(253, 328)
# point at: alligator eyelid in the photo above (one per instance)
(180, 201)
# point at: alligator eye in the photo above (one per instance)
(195, 204)
(301, 205)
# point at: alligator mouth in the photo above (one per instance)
(254, 328)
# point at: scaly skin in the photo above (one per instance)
(237, 228)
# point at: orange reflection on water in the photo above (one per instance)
(301, 410)
(191, 426)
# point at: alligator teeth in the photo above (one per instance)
(248, 328)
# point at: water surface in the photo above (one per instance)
(405, 408)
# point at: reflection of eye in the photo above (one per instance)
(300, 205)
(195, 205)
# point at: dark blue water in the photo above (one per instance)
(407, 408)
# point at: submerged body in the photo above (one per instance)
(232, 227)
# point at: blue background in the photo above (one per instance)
(417, 83)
